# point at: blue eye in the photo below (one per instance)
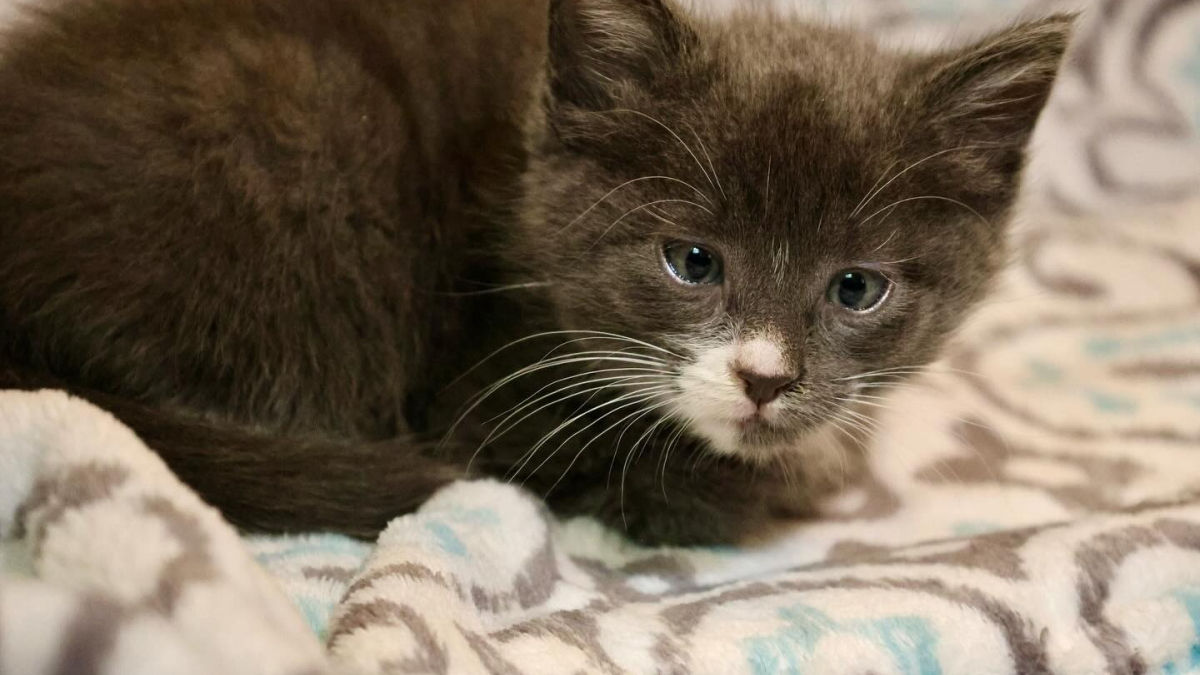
(858, 290)
(693, 264)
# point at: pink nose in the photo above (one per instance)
(762, 389)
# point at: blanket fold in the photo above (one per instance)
(134, 573)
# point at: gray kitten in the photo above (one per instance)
(273, 236)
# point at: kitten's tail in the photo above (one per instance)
(277, 484)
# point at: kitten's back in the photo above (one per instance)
(206, 202)
(227, 223)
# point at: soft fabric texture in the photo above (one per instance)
(1030, 507)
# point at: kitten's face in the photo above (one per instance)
(782, 212)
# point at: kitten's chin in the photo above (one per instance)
(757, 442)
(819, 459)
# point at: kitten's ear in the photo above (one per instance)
(600, 47)
(991, 93)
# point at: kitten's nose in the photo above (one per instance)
(762, 389)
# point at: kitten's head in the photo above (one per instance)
(778, 208)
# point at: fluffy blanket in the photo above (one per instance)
(1033, 505)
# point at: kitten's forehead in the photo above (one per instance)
(786, 174)
(757, 46)
(792, 124)
(760, 56)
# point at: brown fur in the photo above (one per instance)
(266, 233)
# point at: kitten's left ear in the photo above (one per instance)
(992, 93)
(600, 47)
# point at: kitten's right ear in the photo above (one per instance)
(991, 93)
(598, 48)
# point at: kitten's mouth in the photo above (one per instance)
(752, 437)
(757, 430)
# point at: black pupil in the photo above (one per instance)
(853, 289)
(698, 263)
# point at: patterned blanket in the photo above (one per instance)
(1033, 504)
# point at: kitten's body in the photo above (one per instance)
(273, 236)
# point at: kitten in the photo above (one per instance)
(274, 237)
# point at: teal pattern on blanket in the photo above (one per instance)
(315, 545)
(1190, 71)
(909, 641)
(1189, 597)
(446, 534)
(941, 10)
(305, 564)
(1106, 346)
(1103, 355)
(446, 538)
(316, 613)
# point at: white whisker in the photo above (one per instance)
(591, 335)
(479, 398)
(635, 209)
(886, 241)
(638, 396)
(672, 441)
(767, 197)
(504, 426)
(586, 375)
(709, 158)
(670, 131)
(497, 289)
(902, 260)
(626, 184)
(863, 202)
(871, 195)
(600, 435)
(977, 214)
(628, 458)
(617, 445)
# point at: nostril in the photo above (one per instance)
(762, 389)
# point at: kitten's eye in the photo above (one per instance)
(693, 264)
(858, 289)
